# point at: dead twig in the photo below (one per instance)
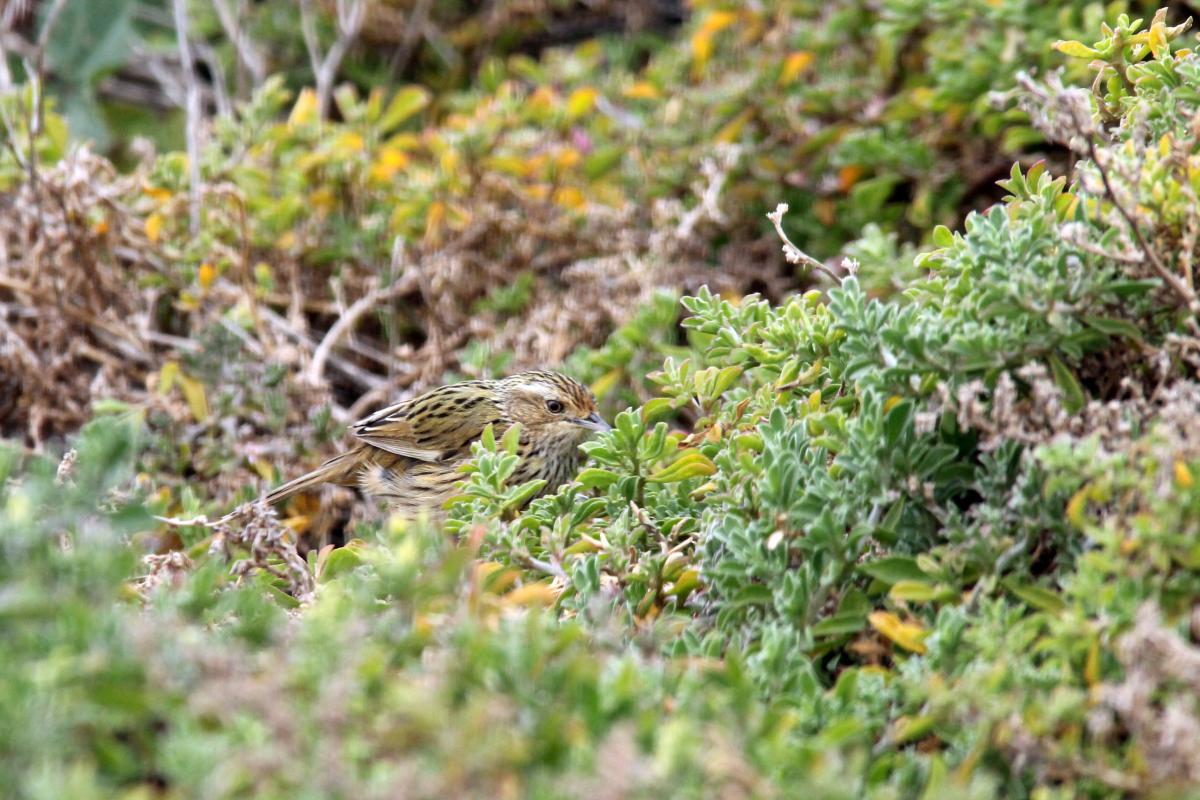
(1185, 292)
(350, 17)
(248, 53)
(794, 254)
(346, 322)
(194, 113)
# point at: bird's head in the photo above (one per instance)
(549, 403)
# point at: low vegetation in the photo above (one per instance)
(916, 520)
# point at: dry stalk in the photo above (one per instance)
(350, 16)
(248, 53)
(194, 113)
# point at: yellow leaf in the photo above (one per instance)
(1183, 475)
(434, 219)
(908, 635)
(567, 158)
(322, 199)
(167, 375)
(795, 64)
(692, 464)
(297, 524)
(348, 143)
(403, 141)
(510, 165)
(541, 594)
(193, 392)
(642, 90)
(156, 192)
(1158, 40)
(570, 198)
(543, 98)
(264, 469)
(848, 176)
(814, 400)
(208, 274)
(606, 382)
(730, 132)
(701, 50)
(892, 402)
(718, 20)
(153, 225)
(389, 162)
(305, 109)
(1091, 668)
(581, 102)
(1076, 507)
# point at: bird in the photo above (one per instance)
(408, 455)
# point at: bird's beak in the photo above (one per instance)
(594, 422)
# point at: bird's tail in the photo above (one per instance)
(339, 469)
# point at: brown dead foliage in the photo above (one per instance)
(72, 320)
(92, 307)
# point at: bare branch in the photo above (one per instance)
(350, 17)
(347, 321)
(249, 56)
(194, 114)
(1185, 292)
(794, 254)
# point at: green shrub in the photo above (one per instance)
(937, 543)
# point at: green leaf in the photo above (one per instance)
(405, 103)
(691, 464)
(921, 592)
(1076, 49)
(897, 422)
(840, 624)
(656, 408)
(594, 478)
(1037, 596)
(1073, 397)
(512, 437)
(1114, 327)
(525, 493)
(893, 569)
(340, 561)
(602, 161)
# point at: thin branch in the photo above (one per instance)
(220, 94)
(414, 31)
(364, 378)
(794, 254)
(546, 567)
(194, 112)
(247, 50)
(346, 322)
(350, 17)
(1185, 292)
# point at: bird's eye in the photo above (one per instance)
(554, 406)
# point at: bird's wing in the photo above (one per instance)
(432, 426)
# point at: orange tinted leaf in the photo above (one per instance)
(153, 227)
(908, 635)
(795, 64)
(581, 102)
(642, 90)
(540, 594)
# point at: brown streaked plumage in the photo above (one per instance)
(408, 454)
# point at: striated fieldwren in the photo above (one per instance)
(409, 454)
